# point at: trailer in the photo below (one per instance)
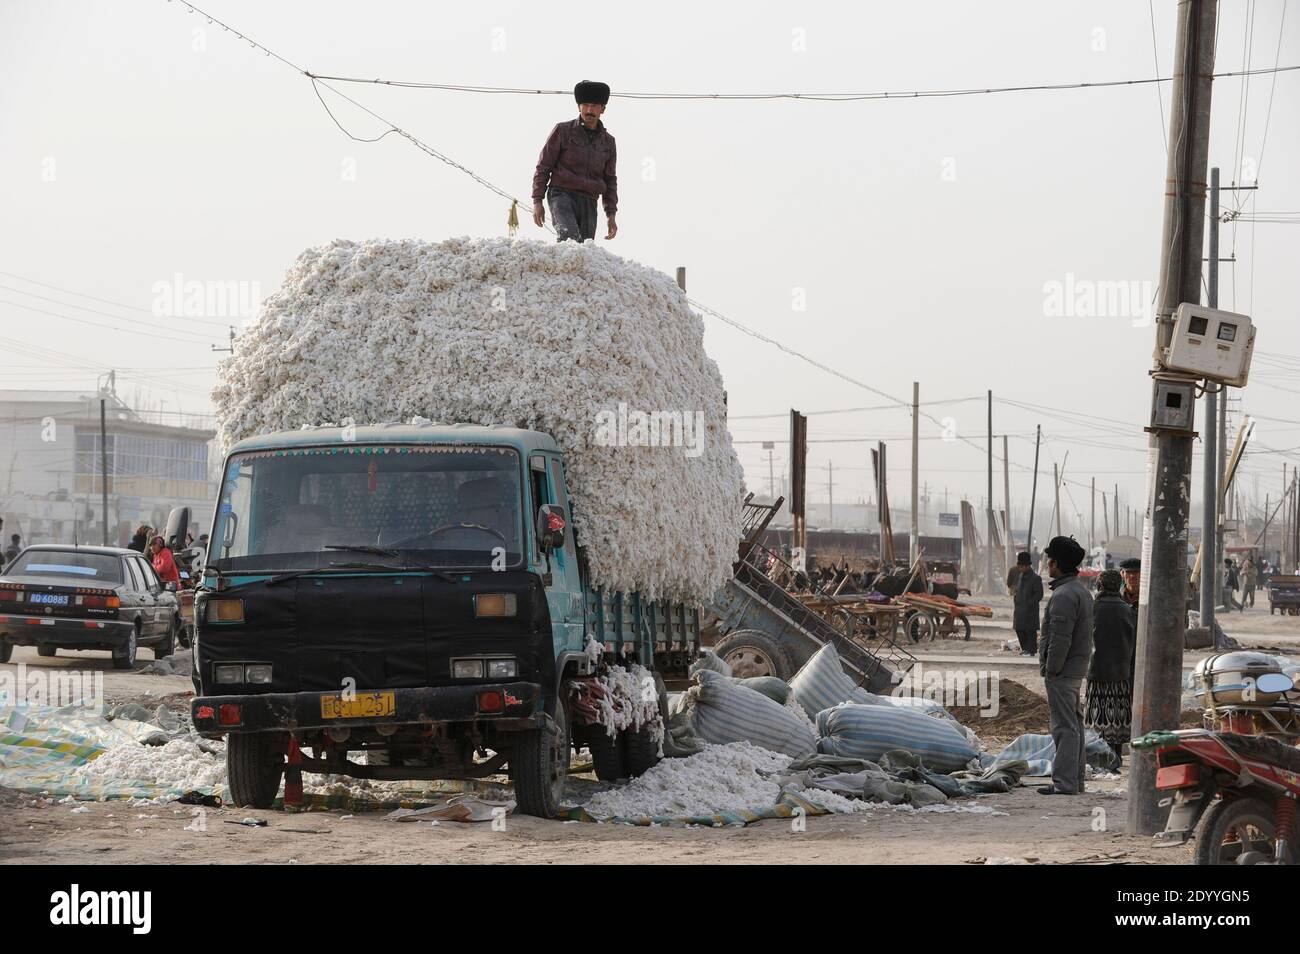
(769, 631)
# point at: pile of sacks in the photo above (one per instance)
(835, 730)
(840, 737)
(601, 353)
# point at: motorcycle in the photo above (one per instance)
(1233, 784)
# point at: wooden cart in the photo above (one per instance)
(929, 616)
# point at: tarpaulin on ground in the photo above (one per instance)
(42, 747)
(1039, 750)
(788, 806)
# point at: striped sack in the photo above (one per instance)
(710, 661)
(868, 732)
(724, 711)
(822, 684)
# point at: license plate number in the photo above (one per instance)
(54, 599)
(365, 705)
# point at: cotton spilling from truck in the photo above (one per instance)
(602, 353)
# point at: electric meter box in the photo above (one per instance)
(1212, 344)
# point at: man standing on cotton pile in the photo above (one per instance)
(577, 165)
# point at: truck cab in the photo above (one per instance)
(411, 596)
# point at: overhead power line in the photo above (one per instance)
(811, 97)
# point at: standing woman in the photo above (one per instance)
(1108, 702)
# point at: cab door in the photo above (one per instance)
(564, 595)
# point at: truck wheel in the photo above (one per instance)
(46, 650)
(640, 750)
(606, 753)
(254, 764)
(6, 650)
(751, 653)
(125, 659)
(539, 765)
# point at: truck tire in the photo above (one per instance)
(46, 650)
(6, 650)
(751, 653)
(539, 766)
(606, 753)
(640, 750)
(255, 765)
(126, 658)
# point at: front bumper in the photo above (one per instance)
(292, 711)
(63, 632)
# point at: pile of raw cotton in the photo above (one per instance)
(602, 353)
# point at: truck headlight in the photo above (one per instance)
(502, 668)
(258, 674)
(467, 669)
(226, 673)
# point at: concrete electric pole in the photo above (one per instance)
(1162, 600)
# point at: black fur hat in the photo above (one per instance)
(591, 92)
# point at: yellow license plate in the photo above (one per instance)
(365, 705)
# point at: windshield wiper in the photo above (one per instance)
(362, 548)
(420, 568)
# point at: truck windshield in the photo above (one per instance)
(310, 507)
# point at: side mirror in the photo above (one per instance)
(550, 527)
(1274, 682)
(170, 587)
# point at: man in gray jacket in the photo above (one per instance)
(1063, 653)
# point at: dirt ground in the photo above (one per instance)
(1023, 827)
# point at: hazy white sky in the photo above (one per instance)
(920, 237)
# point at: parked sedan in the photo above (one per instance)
(71, 597)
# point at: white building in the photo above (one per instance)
(50, 467)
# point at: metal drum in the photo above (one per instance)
(1229, 679)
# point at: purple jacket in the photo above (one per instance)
(576, 160)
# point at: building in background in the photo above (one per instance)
(51, 475)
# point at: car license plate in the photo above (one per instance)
(365, 705)
(54, 599)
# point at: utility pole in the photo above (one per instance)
(1162, 600)
(1092, 519)
(1054, 523)
(770, 446)
(103, 470)
(991, 583)
(1105, 516)
(1057, 506)
(915, 541)
(1006, 497)
(830, 493)
(1033, 494)
(1211, 473)
(1116, 502)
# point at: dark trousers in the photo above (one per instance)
(1248, 595)
(1066, 718)
(1028, 640)
(573, 215)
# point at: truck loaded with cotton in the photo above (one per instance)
(474, 497)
